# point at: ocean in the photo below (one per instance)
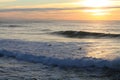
(60, 50)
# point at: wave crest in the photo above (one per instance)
(85, 62)
(83, 34)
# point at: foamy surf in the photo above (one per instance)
(85, 62)
(54, 54)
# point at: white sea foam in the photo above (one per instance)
(84, 62)
(55, 54)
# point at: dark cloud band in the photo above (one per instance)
(53, 9)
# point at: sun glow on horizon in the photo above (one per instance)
(60, 10)
(96, 8)
(98, 12)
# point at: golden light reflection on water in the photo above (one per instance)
(101, 54)
(104, 50)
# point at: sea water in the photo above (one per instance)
(60, 50)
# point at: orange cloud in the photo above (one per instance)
(57, 15)
(62, 13)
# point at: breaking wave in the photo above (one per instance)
(83, 34)
(85, 62)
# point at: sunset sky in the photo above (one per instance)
(60, 9)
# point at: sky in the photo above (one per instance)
(60, 9)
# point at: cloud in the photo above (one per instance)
(1, 1)
(52, 9)
(77, 13)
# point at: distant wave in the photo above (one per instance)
(83, 34)
(85, 62)
(12, 26)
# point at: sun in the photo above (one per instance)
(97, 12)
(96, 3)
(96, 7)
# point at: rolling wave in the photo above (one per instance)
(83, 34)
(85, 62)
(12, 26)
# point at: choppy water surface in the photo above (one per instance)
(90, 48)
